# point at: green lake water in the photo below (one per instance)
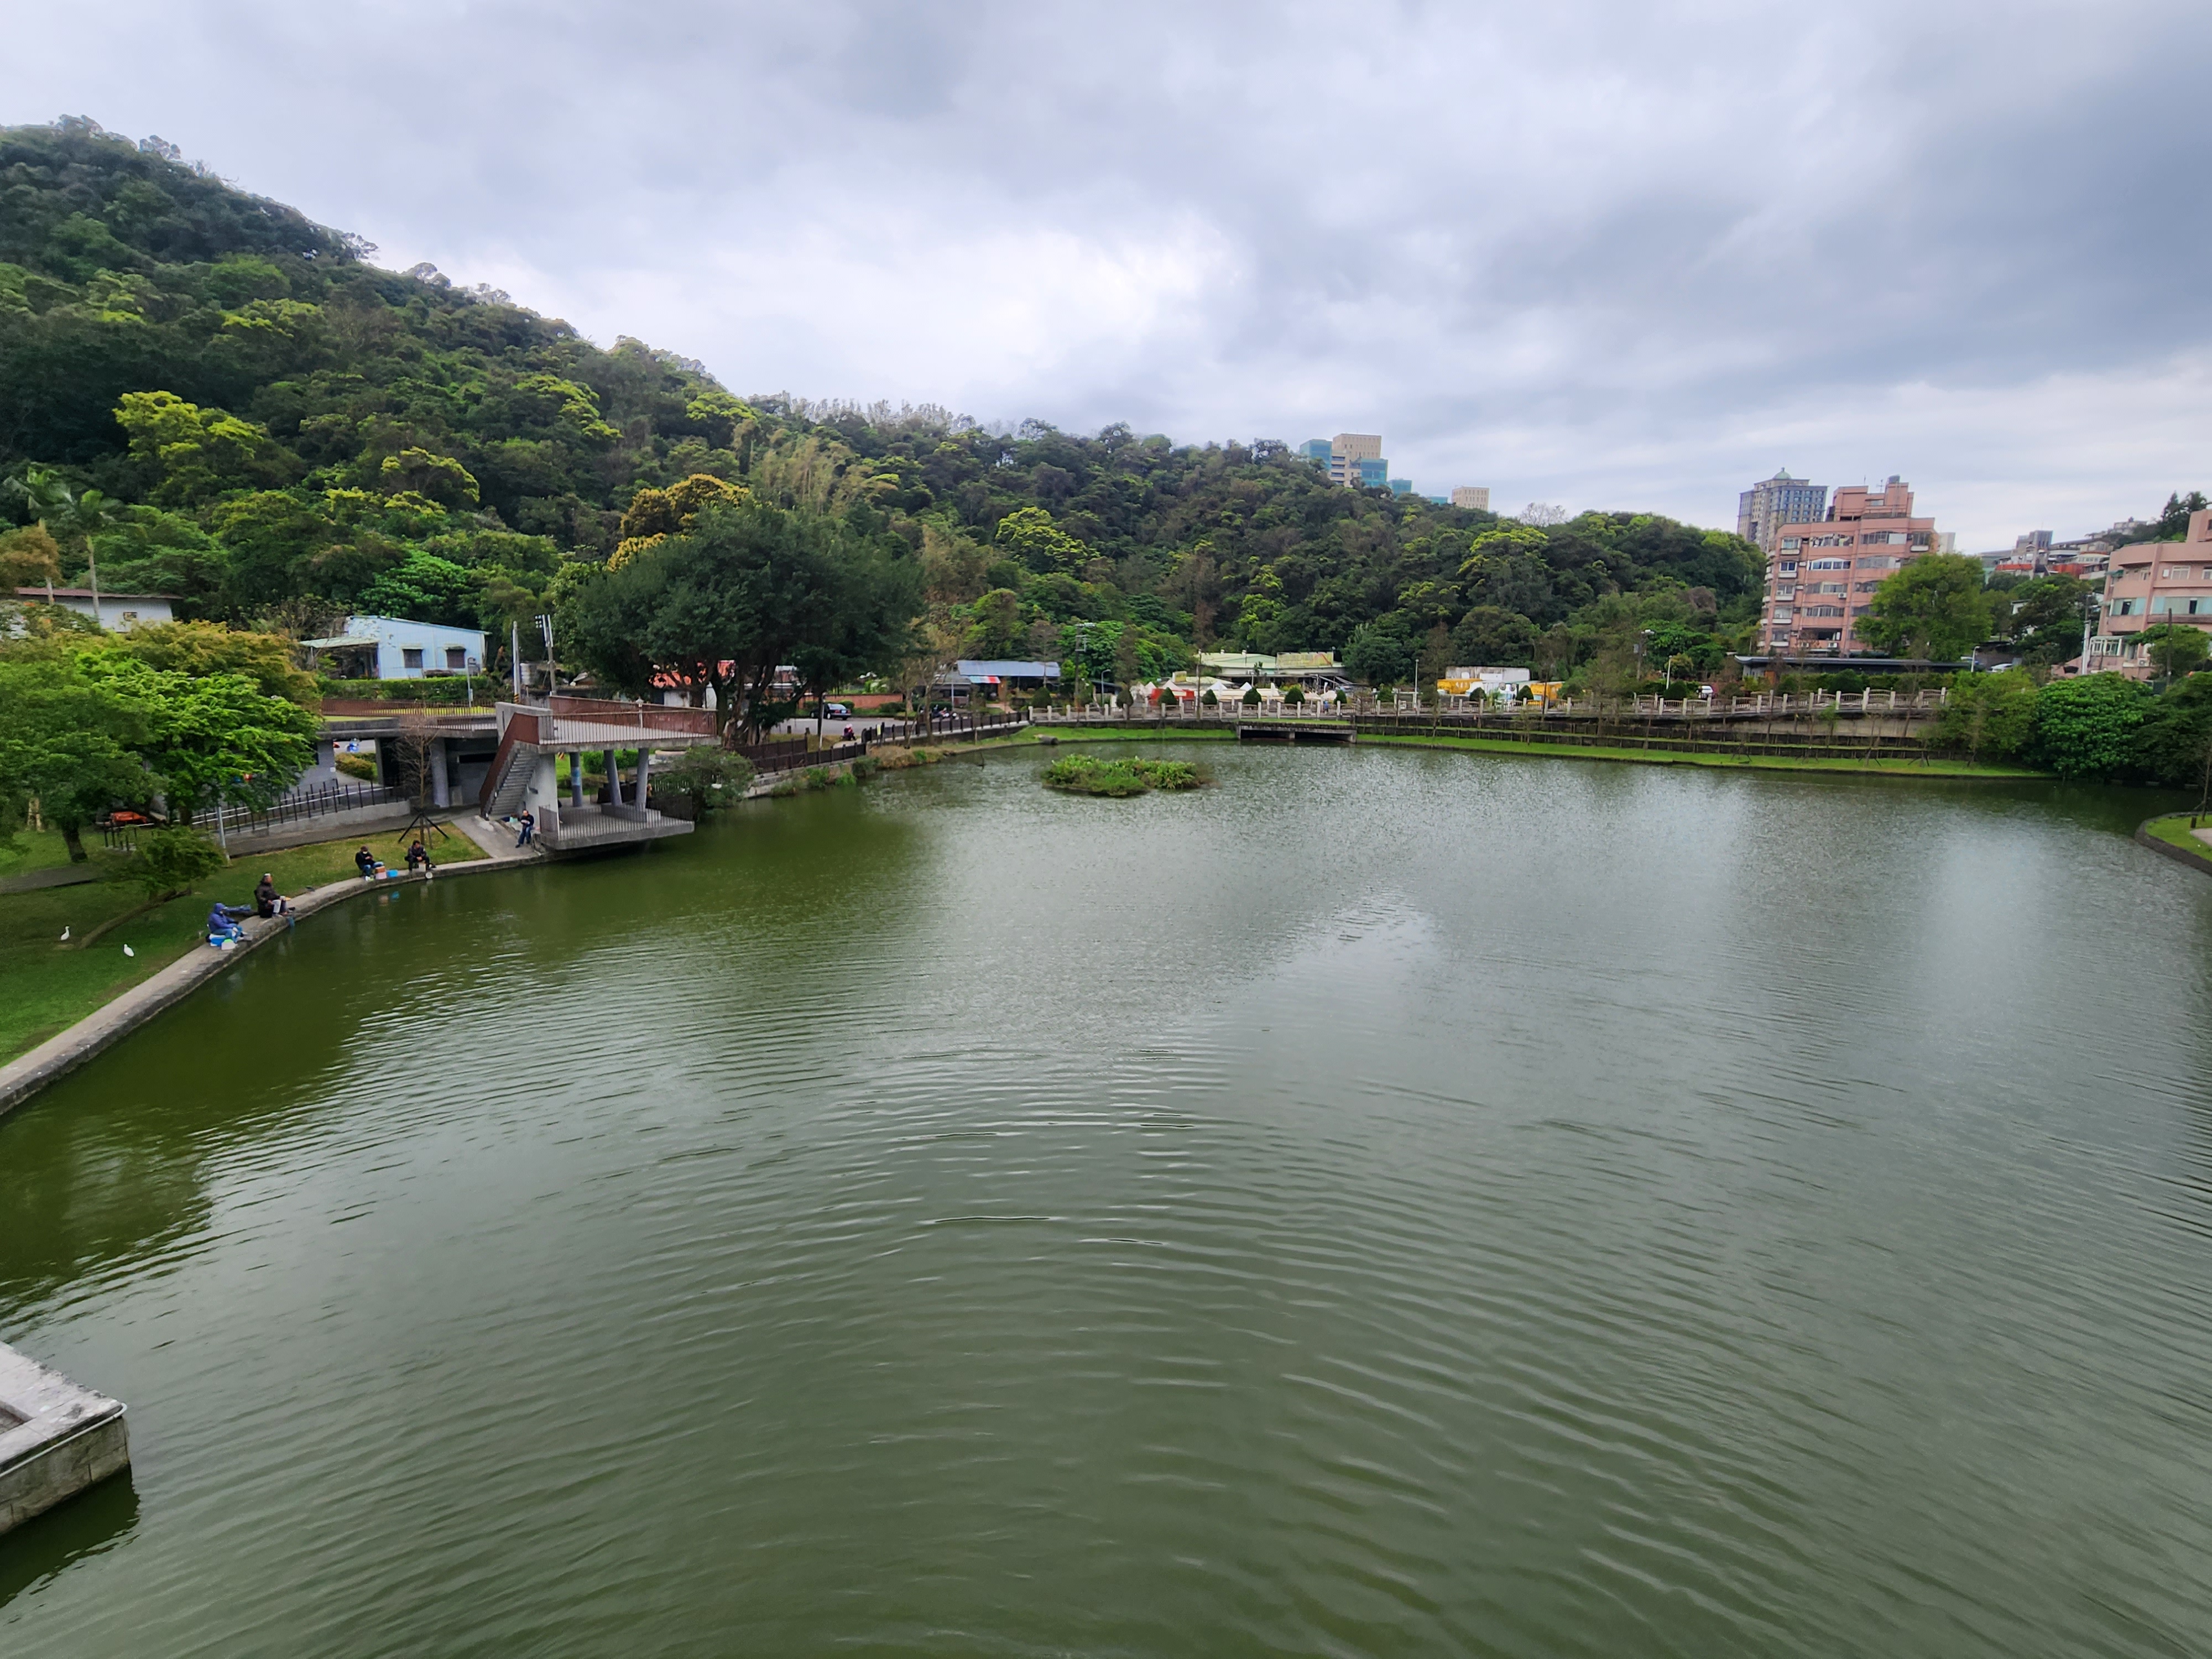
(1391, 1203)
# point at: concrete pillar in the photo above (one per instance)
(644, 778)
(614, 781)
(441, 792)
(327, 756)
(575, 780)
(544, 783)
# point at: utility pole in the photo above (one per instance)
(552, 674)
(515, 655)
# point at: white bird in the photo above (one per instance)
(66, 936)
(128, 951)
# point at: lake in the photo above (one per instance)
(1388, 1203)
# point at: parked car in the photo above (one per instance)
(836, 711)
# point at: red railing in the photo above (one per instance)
(521, 727)
(644, 716)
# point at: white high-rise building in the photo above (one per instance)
(1474, 495)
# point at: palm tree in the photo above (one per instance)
(68, 516)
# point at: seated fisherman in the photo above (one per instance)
(267, 901)
(223, 921)
(368, 863)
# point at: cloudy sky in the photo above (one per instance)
(1590, 252)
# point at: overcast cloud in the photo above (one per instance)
(1592, 252)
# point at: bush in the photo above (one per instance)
(2170, 745)
(2085, 727)
(168, 861)
(355, 766)
(1295, 695)
(1990, 713)
(704, 779)
(1251, 697)
(1208, 699)
(454, 690)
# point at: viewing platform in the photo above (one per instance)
(523, 774)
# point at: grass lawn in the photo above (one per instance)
(1031, 736)
(34, 850)
(1173, 733)
(1887, 767)
(2175, 832)
(47, 987)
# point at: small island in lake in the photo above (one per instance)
(1087, 774)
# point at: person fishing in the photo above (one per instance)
(267, 901)
(223, 921)
(368, 863)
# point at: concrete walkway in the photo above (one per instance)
(496, 840)
(59, 875)
(22, 1077)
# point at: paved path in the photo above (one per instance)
(60, 875)
(496, 840)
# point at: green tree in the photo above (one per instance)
(996, 630)
(437, 478)
(423, 588)
(2174, 649)
(862, 620)
(198, 649)
(169, 861)
(2172, 744)
(1379, 654)
(1490, 637)
(1990, 713)
(1935, 607)
(2172, 522)
(718, 608)
(66, 741)
(2085, 727)
(193, 453)
(2045, 616)
(1030, 535)
(208, 738)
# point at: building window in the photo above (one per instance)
(1789, 543)
(456, 656)
(410, 656)
(1788, 567)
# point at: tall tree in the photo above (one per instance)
(1935, 607)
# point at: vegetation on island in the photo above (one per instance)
(1120, 777)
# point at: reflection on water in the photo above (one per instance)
(92, 1522)
(1391, 1202)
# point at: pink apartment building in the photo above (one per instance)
(2150, 583)
(1820, 576)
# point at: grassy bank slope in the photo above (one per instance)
(47, 987)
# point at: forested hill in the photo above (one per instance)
(284, 431)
